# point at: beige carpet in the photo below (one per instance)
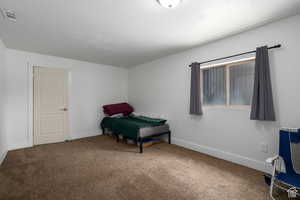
(98, 168)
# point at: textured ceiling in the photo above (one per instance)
(128, 33)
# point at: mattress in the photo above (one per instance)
(134, 127)
(154, 130)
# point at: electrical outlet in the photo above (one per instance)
(264, 147)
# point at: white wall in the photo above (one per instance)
(91, 86)
(163, 87)
(3, 146)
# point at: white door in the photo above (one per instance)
(50, 105)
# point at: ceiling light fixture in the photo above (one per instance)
(169, 3)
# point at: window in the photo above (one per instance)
(228, 84)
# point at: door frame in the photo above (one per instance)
(30, 103)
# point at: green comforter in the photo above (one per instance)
(129, 126)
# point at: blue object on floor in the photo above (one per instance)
(289, 179)
(289, 151)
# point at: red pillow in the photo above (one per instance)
(117, 108)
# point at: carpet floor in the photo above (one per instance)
(98, 168)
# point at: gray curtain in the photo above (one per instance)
(195, 97)
(262, 100)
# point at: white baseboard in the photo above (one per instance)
(235, 158)
(90, 134)
(16, 146)
(2, 157)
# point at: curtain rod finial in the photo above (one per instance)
(277, 46)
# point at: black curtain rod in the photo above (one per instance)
(273, 47)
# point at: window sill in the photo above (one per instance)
(227, 107)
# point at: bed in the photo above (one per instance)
(138, 128)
